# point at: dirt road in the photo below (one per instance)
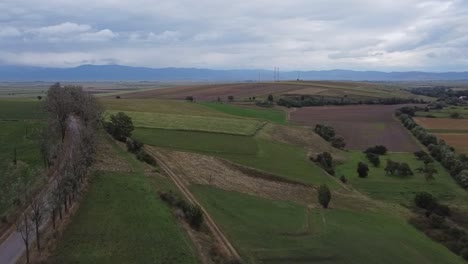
(215, 230)
(12, 248)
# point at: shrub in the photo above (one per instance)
(343, 179)
(324, 195)
(120, 126)
(442, 210)
(378, 149)
(338, 142)
(425, 200)
(145, 157)
(189, 98)
(362, 169)
(230, 98)
(326, 132)
(373, 158)
(194, 215)
(436, 221)
(133, 145)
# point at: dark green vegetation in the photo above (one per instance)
(273, 115)
(20, 109)
(269, 231)
(122, 220)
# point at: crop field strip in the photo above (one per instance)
(234, 126)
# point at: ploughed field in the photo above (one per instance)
(453, 131)
(360, 125)
(211, 92)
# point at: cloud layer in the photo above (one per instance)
(294, 34)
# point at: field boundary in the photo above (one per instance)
(212, 226)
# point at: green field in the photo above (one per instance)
(395, 189)
(20, 123)
(233, 126)
(266, 231)
(160, 106)
(202, 142)
(20, 109)
(273, 115)
(122, 220)
(445, 112)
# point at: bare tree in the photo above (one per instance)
(24, 226)
(37, 213)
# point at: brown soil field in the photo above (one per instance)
(361, 126)
(206, 170)
(442, 123)
(458, 141)
(213, 91)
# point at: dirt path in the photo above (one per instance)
(215, 230)
(12, 247)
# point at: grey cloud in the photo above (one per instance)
(294, 34)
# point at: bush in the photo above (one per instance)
(362, 169)
(343, 179)
(194, 215)
(378, 149)
(326, 132)
(189, 99)
(145, 157)
(338, 142)
(324, 195)
(120, 126)
(425, 200)
(373, 158)
(325, 160)
(436, 221)
(133, 145)
(442, 210)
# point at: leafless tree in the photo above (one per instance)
(24, 226)
(37, 212)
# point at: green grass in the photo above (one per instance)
(283, 160)
(197, 141)
(160, 106)
(21, 109)
(22, 136)
(273, 115)
(233, 126)
(395, 189)
(121, 220)
(270, 232)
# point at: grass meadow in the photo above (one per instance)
(267, 231)
(401, 190)
(272, 115)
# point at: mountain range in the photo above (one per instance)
(127, 73)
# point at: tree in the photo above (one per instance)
(404, 169)
(39, 97)
(425, 200)
(189, 99)
(391, 167)
(373, 158)
(37, 212)
(270, 98)
(59, 104)
(362, 169)
(338, 142)
(230, 98)
(219, 99)
(325, 160)
(25, 228)
(429, 172)
(324, 195)
(120, 126)
(420, 154)
(326, 132)
(462, 178)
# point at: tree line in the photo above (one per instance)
(457, 165)
(61, 105)
(304, 100)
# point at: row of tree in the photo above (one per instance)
(328, 133)
(457, 165)
(304, 100)
(70, 110)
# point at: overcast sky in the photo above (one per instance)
(290, 34)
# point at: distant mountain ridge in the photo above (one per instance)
(127, 73)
